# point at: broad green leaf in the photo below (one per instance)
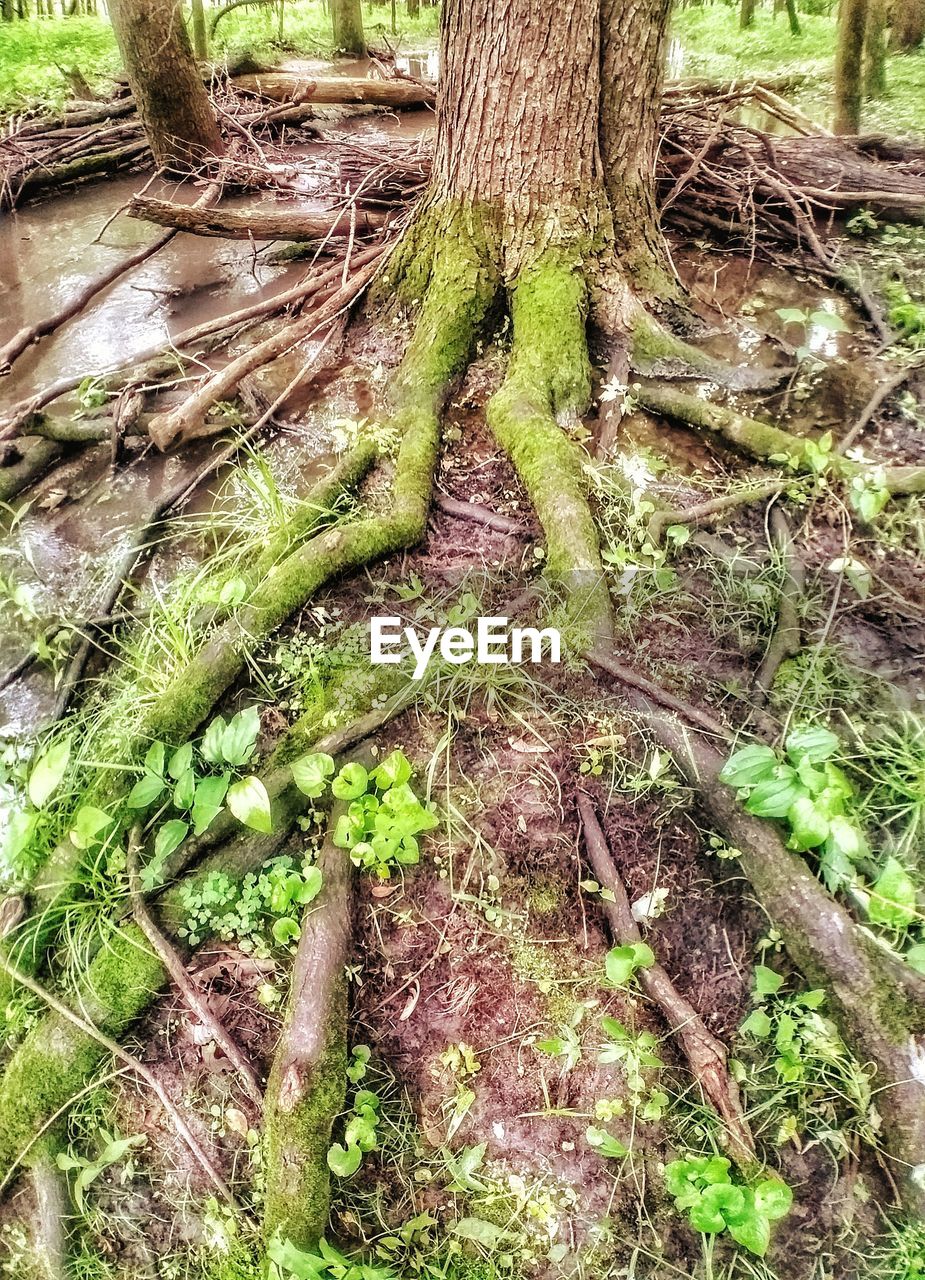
(815, 744)
(286, 930)
(605, 1144)
(749, 766)
(240, 736)
(463, 1167)
(725, 1198)
(145, 791)
(915, 957)
(211, 745)
(622, 962)
(250, 804)
(88, 823)
(48, 772)
(180, 761)
(293, 1261)
(184, 793)
(311, 773)
(394, 770)
(310, 887)
(893, 897)
(479, 1230)
(208, 802)
(773, 1198)
(154, 759)
(847, 839)
(351, 782)
(773, 797)
(809, 824)
(753, 1233)
(344, 1161)
(169, 837)
(706, 1219)
(757, 1024)
(792, 315)
(767, 982)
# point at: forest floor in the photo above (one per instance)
(479, 978)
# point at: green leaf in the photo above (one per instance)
(48, 772)
(154, 759)
(479, 1230)
(605, 1144)
(180, 761)
(706, 1219)
(463, 1167)
(208, 802)
(285, 930)
(211, 745)
(753, 1233)
(757, 1024)
(311, 773)
(169, 837)
(792, 315)
(622, 962)
(293, 1261)
(88, 823)
(184, 792)
(240, 736)
(394, 770)
(767, 982)
(344, 1161)
(145, 791)
(773, 797)
(847, 839)
(351, 782)
(915, 957)
(893, 897)
(749, 766)
(773, 1198)
(809, 824)
(310, 887)
(829, 321)
(250, 804)
(810, 743)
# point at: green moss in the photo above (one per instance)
(57, 1057)
(549, 378)
(298, 1193)
(552, 969)
(545, 896)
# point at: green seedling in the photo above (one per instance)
(703, 1189)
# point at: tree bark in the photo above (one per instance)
(908, 25)
(169, 92)
(747, 14)
(849, 65)
(200, 34)
(793, 18)
(347, 22)
(875, 50)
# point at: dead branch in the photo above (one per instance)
(786, 640)
(705, 1054)
(282, 86)
(260, 222)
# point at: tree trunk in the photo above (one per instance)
(849, 65)
(414, 8)
(347, 23)
(793, 18)
(875, 50)
(747, 14)
(6, 10)
(200, 34)
(908, 25)
(172, 100)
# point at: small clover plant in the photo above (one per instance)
(344, 1158)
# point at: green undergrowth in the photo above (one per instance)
(32, 52)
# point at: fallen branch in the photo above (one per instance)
(706, 1056)
(259, 222)
(479, 514)
(283, 86)
(786, 640)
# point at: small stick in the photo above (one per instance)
(178, 972)
(705, 1054)
(881, 393)
(787, 639)
(626, 675)
(479, 514)
(659, 520)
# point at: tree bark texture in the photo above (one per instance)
(168, 90)
(849, 65)
(908, 25)
(347, 23)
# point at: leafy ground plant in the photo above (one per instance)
(704, 1190)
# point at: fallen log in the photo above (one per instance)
(285, 86)
(259, 222)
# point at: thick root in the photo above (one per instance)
(547, 386)
(307, 1084)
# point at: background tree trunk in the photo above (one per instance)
(793, 18)
(747, 14)
(875, 50)
(908, 25)
(632, 72)
(200, 34)
(347, 23)
(172, 100)
(414, 8)
(849, 65)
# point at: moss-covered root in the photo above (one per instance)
(308, 1079)
(548, 384)
(451, 316)
(57, 1058)
(876, 999)
(766, 442)
(657, 353)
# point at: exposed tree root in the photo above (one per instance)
(703, 511)
(768, 443)
(28, 464)
(307, 1084)
(52, 1204)
(786, 640)
(705, 1054)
